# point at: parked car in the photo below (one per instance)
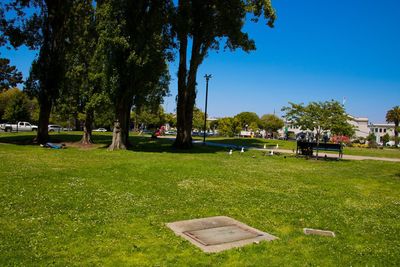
(392, 144)
(21, 126)
(54, 128)
(100, 130)
(170, 133)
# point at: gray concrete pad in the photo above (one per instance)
(215, 234)
(309, 231)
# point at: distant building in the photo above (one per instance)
(361, 126)
(380, 129)
(212, 119)
(289, 128)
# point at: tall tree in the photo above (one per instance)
(9, 75)
(393, 115)
(248, 120)
(229, 126)
(202, 25)
(271, 123)
(41, 24)
(320, 117)
(18, 107)
(133, 37)
(82, 85)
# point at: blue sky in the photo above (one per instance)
(318, 50)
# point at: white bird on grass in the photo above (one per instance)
(271, 153)
(242, 151)
(265, 146)
(230, 152)
(277, 146)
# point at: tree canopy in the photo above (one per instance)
(15, 106)
(229, 126)
(271, 123)
(248, 120)
(320, 117)
(9, 75)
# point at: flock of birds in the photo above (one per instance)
(271, 152)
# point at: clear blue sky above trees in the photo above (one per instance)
(318, 50)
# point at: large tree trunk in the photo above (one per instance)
(44, 117)
(87, 129)
(184, 124)
(121, 126)
(186, 92)
(117, 142)
(50, 62)
(183, 135)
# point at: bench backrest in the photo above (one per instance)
(321, 146)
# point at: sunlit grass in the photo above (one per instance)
(96, 207)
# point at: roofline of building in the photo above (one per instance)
(381, 125)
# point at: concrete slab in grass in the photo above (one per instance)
(309, 231)
(215, 234)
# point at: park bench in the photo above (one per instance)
(308, 148)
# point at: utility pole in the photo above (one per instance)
(208, 77)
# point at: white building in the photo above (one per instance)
(361, 126)
(380, 129)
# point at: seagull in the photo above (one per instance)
(271, 153)
(230, 152)
(277, 146)
(242, 151)
(265, 146)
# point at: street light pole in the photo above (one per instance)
(208, 77)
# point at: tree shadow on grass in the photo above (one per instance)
(139, 143)
(28, 138)
(16, 139)
(164, 145)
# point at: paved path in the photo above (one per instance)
(287, 151)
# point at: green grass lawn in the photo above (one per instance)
(82, 206)
(373, 152)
